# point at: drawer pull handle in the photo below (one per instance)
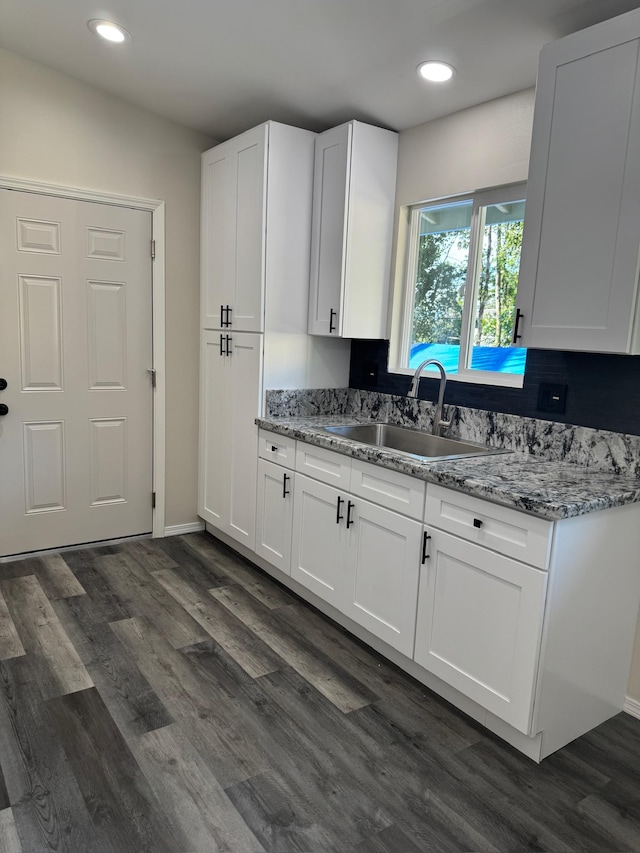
(477, 523)
(274, 447)
(285, 491)
(350, 520)
(221, 347)
(339, 516)
(332, 325)
(425, 542)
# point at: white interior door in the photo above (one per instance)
(75, 348)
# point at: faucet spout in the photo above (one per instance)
(438, 423)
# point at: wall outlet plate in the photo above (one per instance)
(370, 370)
(552, 397)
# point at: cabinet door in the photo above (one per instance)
(382, 571)
(274, 516)
(234, 179)
(328, 230)
(578, 273)
(217, 235)
(215, 431)
(479, 624)
(250, 179)
(319, 539)
(243, 393)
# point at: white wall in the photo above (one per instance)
(57, 130)
(481, 147)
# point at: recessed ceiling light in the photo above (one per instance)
(436, 72)
(109, 31)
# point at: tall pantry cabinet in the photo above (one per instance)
(255, 245)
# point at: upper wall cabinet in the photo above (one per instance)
(353, 206)
(579, 268)
(234, 177)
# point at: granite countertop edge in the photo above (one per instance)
(551, 490)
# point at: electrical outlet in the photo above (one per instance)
(552, 397)
(370, 373)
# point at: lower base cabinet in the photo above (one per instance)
(359, 557)
(229, 402)
(275, 515)
(479, 625)
(524, 623)
(319, 539)
(382, 572)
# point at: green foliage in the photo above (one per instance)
(440, 284)
(498, 284)
(441, 271)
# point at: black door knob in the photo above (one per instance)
(4, 409)
(3, 384)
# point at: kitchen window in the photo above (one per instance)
(462, 279)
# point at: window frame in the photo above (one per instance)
(480, 199)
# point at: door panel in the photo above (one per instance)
(44, 466)
(328, 230)
(319, 542)
(244, 391)
(382, 574)
(107, 328)
(274, 516)
(250, 183)
(40, 333)
(217, 234)
(215, 431)
(479, 625)
(75, 349)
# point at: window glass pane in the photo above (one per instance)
(494, 307)
(441, 270)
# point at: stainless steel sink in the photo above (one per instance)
(411, 441)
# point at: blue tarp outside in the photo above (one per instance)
(496, 359)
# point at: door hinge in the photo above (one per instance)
(153, 250)
(152, 373)
(153, 500)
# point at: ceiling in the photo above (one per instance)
(222, 66)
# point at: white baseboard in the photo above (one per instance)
(632, 706)
(181, 529)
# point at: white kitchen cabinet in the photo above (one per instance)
(353, 210)
(479, 625)
(274, 515)
(526, 624)
(579, 269)
(382, 569)
(319, 539)
(234, 184)
(256, 236)
(229, 399)
(361, 558)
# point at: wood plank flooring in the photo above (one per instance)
(166, 696)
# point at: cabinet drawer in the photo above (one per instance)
(277, 448)
(324, 465)
(500, 528)
(390, 489)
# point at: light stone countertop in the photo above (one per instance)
(551, 490)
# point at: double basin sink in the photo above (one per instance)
(422, 445)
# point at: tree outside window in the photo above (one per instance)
(463, 283)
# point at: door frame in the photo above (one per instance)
(157, 209)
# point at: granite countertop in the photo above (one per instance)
(551, 490)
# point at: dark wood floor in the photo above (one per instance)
(166, 696)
